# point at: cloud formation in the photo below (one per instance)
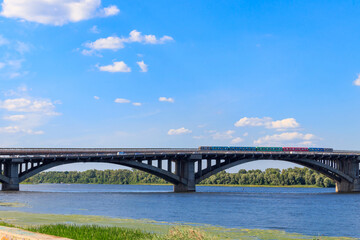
(115, 67)
(143, 66)
(165, 99)
(223, 135)
(357, 81)
(115, 43)
(55, 12)
(284, 137)
(122, 100)
(43, 106)
(179, 131)
(268, 122)
(26, 113)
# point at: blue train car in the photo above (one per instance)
(316, 149)
(220, 148)
(243, 149)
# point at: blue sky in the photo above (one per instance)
(92, 73)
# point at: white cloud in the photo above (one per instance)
(94, 29)
(357, 81)
(237, 140)
(44, 106)
(33, 112)
(3, 41)
(115, 67)
(14, 118)
(115, 43)
(179, 131)
(137, 104)
(284, 137)
(2, 65)
(143, 66)
(122, 100)
(246, 134)
(223, 135)
(55, 12)
(112, 43)
(253, 122)
(110, 11)
(283, 124)
(268, 122)
(17, 129)
(96, 97)
(165, 99)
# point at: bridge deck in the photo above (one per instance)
(29, 152)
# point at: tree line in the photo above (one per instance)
(271, 176)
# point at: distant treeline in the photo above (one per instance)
(271, 176)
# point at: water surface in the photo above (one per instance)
(310, 211)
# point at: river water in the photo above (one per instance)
(310, 211)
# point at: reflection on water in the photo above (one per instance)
(311, 211)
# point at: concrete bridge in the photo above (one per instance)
(183, 167)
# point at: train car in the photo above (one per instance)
(264, 149)
(316, 149)
(243, 149)
(204, 148)
(328, 150)
(220, 148)
(295, 149)
(269, 149)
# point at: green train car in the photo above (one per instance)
(269, 149)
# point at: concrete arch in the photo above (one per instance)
(168, 176)
(328, 171)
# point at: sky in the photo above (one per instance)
(156, 73)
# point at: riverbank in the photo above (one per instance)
(205, 185)
(26, 220)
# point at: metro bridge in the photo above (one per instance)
(183, 167)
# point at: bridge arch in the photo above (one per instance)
(166, 175)
(324, 169)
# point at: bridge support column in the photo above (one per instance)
(185, 169)
(11, 170)
(351, 168)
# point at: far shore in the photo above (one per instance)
(205, 185)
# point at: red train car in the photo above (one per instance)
(295, 149)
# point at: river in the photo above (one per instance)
(310, 211)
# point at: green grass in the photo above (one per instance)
(86, 232)
(149, 228)
(94, 232)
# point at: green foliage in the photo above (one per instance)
(120, 176)
(271, 176)
(94, 232)
(86, 232)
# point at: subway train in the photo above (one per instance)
(264, 149)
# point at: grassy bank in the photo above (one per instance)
(147, 228)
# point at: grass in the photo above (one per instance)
(86, 232)
(94, 232)
(60, 224)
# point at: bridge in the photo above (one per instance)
(183, 167)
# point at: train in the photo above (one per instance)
(264, 149)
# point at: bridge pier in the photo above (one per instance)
(186, 171)
(11, 170)
(351, 168)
